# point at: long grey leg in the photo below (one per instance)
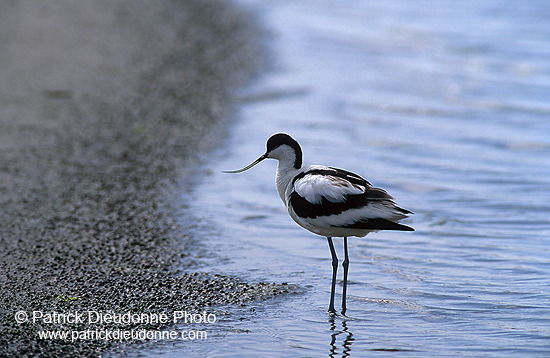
(345, 265)
(334, 270)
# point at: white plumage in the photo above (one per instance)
(330, 202)
(314, 187)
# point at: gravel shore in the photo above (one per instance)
(102, 104)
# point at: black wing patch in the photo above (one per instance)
(378, 224)
(305, 209)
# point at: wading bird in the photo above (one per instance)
(330, 202)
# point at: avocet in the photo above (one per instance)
(330, 202)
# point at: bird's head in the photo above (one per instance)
(279, 146)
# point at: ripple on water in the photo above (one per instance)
(451, 119)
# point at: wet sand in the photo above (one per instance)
(102, 107)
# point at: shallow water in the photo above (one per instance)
(444, 104)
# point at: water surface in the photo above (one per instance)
(444, 104)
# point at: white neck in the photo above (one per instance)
(286, 170)
(285, 173)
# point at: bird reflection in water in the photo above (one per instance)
(346, 342)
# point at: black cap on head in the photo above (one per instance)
(276, 140)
